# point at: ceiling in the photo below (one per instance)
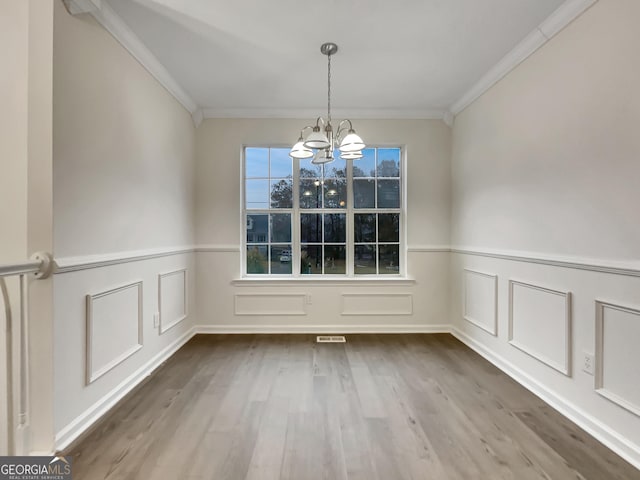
(401, 55)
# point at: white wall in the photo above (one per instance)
(124, 166)
(219, 151)
(14, 34)
(545, 167)
(25, 188)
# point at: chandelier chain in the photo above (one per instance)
(329, 89)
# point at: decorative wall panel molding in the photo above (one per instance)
(114, 328)
(540, 324)
(618, 355)
(172, 298)
(270, 304)
(480, 302)
(377, 304)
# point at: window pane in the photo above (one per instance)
(365, 166)
(257, 193)
(388, 162)
(256, 162)
(311, 228)
(337, 168)
(310, 193)
(281, 228)
(311, 259)
(282, 193)
(335, 228)
(364, 193)
(365, 259)
(388, 193)
(389, 259)
(281, 163)
(335, 259)
(257, 259)
(257, 228)
(281, 259)
(335, 193)
(388, 227)
(309, 170)
(364, 227)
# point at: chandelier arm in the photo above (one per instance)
(305, 128)
(342, 129)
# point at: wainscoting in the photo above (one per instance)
(535, 320)
(549, 320)
(116, 320)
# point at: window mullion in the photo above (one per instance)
(350, 222)
(295, 221)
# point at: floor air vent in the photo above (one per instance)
(330, 339)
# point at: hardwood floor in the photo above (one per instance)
(234, 407)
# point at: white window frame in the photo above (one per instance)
(349, 211)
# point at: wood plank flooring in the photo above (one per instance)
(387, 407)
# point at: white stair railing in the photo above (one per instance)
(17, 433)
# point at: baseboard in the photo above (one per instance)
(620, 445)
(283, 329)
(83, 422)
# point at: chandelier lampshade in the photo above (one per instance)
(300, 151)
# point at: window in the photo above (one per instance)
(343, 218)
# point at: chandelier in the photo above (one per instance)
(321, 143)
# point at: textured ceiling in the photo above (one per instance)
(396, 55)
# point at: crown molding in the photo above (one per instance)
(113, 23)
(117, 27)
(76, 7)
(360, 113)
(448, 118)
(554, 23)
(197, 117)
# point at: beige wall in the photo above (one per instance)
(123, 148)
(547, 160)
(124, 165)
(219, 149)
(25, 187)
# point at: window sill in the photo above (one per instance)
(323, 282)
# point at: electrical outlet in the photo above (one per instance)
(156, 319)
(588, 363)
